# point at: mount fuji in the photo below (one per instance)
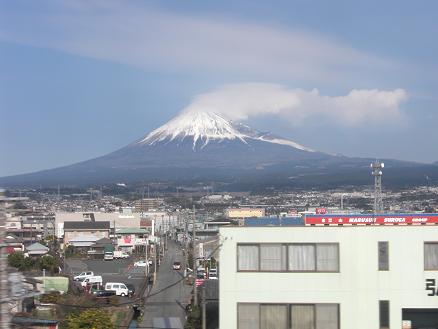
(199, 145)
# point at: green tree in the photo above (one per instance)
(16, 259)
(89, 319)
(48, 263)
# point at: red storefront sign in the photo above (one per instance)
(381, 219)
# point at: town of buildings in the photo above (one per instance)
(306, 259)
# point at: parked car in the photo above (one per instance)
(177, 265)
(212, 274)
(104, 293)
(120, 254)
(83, 275)
(140, 263)
(108, 255)
(92, 279)
(131, 289)
(119, 288)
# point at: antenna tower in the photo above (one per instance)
(377, 173)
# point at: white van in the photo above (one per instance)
(83, 275)
(120, 254)
(92, 279)
(119, 288)
(108, 255)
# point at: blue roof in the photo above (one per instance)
(273, 221)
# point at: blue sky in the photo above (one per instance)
(79, 79)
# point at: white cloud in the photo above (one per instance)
(242, 101)
(148, 38)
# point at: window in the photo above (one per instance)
(384, 314)
(248, 316)
(303, 316)
(327, 316)
(273, 316)
(322, 257)
(272, 257)
(431, 255)
(304, 257)
(383, 255)
(283, 316)
(248, 258)
(327, 257)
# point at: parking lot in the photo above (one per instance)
(117, 270)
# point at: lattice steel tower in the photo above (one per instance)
(377, 173)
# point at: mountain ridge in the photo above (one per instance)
(205, 146)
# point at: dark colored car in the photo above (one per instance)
(131, 289)
(104, 293)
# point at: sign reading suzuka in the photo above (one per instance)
(378, 219)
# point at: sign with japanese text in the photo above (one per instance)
(380, 219)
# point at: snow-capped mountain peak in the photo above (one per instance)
(201, 126)
(204, 127)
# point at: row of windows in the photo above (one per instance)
(309, 257)
(312, 257)
(287, 316)
(297, 316)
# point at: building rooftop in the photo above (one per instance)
(131, 231)
(86, 225)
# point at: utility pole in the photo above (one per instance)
(195, 288)
(146, 259)
(155, 261)
(204, 309)
(142, 199)
(186, 240)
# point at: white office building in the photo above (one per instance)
(329, 277)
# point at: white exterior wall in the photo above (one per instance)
(358, 286)
(119, 220)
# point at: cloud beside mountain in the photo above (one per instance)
(243, 101)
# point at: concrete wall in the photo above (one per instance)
(69, 235)
(358, 286)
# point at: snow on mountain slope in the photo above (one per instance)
(199, 125)
(206, 126)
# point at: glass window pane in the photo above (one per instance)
(383, 256)
(327, 316)
(301, 257)
(248, 316)
(273, 317)
(248, 258)
(327, 257)
(430, 256)
(384, 314)
(271, 257)
(303, 317)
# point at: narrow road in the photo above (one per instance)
(164, 307)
